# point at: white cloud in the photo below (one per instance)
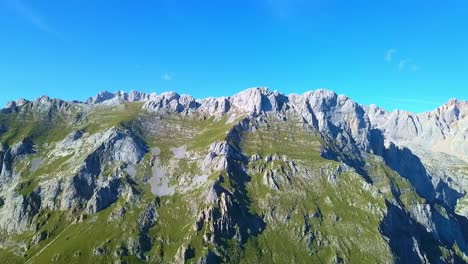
(389, 54)
(167, 76)
(408, 64)
(31, 15)
(403, 63)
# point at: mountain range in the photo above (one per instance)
(259, 176)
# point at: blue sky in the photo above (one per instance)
(409, 55)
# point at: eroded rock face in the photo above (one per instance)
(442, 130)
(88, 187)
(172, 103)
(215, 106)
(16, 213)
(226, 218)
(216, 159)
(119, 97)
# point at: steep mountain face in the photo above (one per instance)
(254, 177)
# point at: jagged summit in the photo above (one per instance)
(119, 96)
(255, 99)
(335, 114)
(443, 129)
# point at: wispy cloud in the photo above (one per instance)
(389, 54)
(167, 76)
(29, 14)
(405, 64)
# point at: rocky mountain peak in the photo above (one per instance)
(259, 99)
(100, 97)
(321, 94)
(118, 97)
(452, 111)
(13, 105)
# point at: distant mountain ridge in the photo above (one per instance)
(431, 129)
(106, 97)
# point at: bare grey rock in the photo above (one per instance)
(443, 130)
(171, 102)
(119, 97)
(160, 182)
(179, 152)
